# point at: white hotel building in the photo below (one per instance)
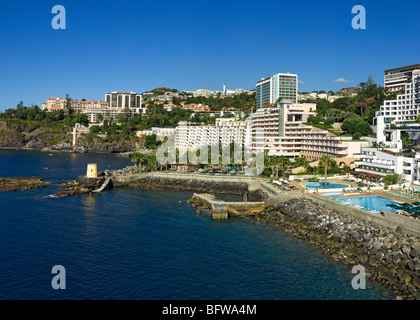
(282, 131)
(403, 111)
(381, 162)
(192, 136)
(277, 131)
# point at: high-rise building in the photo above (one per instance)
(402, 111)
(395, 79)
(123, 99)
(281, 130)
(278, 88)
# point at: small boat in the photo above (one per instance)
(50, 154)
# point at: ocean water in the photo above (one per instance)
(134, 244)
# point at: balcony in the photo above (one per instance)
(379, 173)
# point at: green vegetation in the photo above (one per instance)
(369, 97)
(356, 125)
(394, 178)
(159, 117)
(326, 163)
(405, 138)
(151, 142)
(243, 101)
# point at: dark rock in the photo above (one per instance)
(411, 266)
(22, 183)
(414, 254)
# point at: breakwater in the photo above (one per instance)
(221, 210)
(388, 255)
(253, 188)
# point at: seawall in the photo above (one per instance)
(255, 189)
(390, 220)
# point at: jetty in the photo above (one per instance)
(221, 210)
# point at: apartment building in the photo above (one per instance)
(160, 132)
(192, 136)
(406, 107)
(381, 162)
(91, 108)
(53, 104)
(395, 79)
(402, 111)
(117, 99)
(281, 86)
(107, 113)
(282, 131)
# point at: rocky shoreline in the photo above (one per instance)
(390, 257)
(22, 183)
(81, 185)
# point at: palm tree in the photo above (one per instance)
(271, 163)
(327, 163)
(138, 158)
(151, 161)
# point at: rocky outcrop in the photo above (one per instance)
(82, 185)
(22, 183)
(32, 135)
(389, 257)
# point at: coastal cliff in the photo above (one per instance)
(33, 135)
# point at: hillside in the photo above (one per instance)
(24, 134)
(348, 91)
(161, 91)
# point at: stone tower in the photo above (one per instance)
(92, 170)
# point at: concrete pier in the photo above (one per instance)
(221, 210)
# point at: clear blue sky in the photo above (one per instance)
(187, 45)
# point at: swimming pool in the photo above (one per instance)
(371, 202)
(321, 185)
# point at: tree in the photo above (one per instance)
(346, 169)
(394, 178)
(315, 119)
(329, 121)
(326, 163)
(151, 142)
(138, 158)
(151, 161)
(81, 118)
(95, 129)
(300, 162)
(405, 138)
(356, 124)
(67, 106)
(100, 117)
(283, 162)
(322, 107)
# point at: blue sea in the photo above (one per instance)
(135, 244)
